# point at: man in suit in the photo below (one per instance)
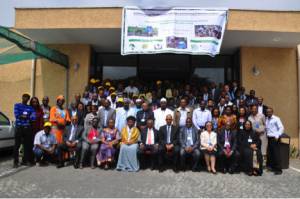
(143, 115)
(149, 144)
(261, 108)
(228, 153)
(168, 143)
(71, 142)
(251, 99)
(105, 114)
(189, 143)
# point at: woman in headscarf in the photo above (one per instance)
(130, 136)
(59, 117)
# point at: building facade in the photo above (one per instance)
(261, 40)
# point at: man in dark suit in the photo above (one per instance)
(71, 142)
(261, 108)
(228, 153)
(149, 144)
(168, 143)
(251, 99)
(189, 143)
(143, 115)
(105, 114)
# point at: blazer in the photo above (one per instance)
(183, 137)
(144, 135)
(101, 114)
(205, 137)
(177, 115)
(78, 133)
(139, 116)
(232, 140)
(163, 133)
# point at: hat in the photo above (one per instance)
(60, 97)
(115, 94)
(158, 82)
(107, 84)
(163, 100)
(47, 124)
(120, 99)
(93, 81)
(97, 80)
(112, 88)
(100, 88)
(138, 100)
(26, 94)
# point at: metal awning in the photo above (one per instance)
(15, 47)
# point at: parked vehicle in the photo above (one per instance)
(7, 132)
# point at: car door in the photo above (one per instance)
(6, 132)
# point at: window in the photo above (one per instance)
(4, 120)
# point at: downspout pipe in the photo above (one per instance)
(33, 77)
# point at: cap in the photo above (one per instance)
(158, 82)
(120, 99)
(163, 100)
(93, 81)
(115, 94)
(47, 124)
(112, 88)
(26, 94)
(107, 84)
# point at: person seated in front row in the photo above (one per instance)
(189, 143)
(149, 144)
(130, 136)
(227, 147)
(109, 139)
(168, 143)
(71, 142)
(45, 145)
(250, 148)
(209, 147)
(90, 142)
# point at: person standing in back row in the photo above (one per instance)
(274, 129)
(24, 115)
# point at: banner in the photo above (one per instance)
(195, 31)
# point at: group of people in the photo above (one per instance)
(154, 126)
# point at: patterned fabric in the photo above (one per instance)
(25, 110)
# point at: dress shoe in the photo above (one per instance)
(59, 166)
(16, 165)
(277, 172)
(231, 171)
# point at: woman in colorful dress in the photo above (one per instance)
(215, 119)
(228, 117)
(59, 117)
(109, 140)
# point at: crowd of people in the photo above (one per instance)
(159, 125)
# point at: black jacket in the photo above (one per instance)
(163, 133)
(144, 136)
(232, 140)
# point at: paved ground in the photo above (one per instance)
(68, 182)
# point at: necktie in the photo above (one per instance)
(169, 135)
(149, 136)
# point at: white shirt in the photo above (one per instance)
(260, 109)
(129, 133)
(150, 132)
(201, 117)
(274, 126)
(183, 116)
(72, 134)
(160, 117)
(132, 89)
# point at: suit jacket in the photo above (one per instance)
(101, 114)
(177, 115)
(232, 140)
(163, 133)
(183, 137)
(144, 135)
(139, 116)
(78, 133)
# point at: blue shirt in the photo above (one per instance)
(24, 109)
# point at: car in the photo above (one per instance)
(7, 132)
